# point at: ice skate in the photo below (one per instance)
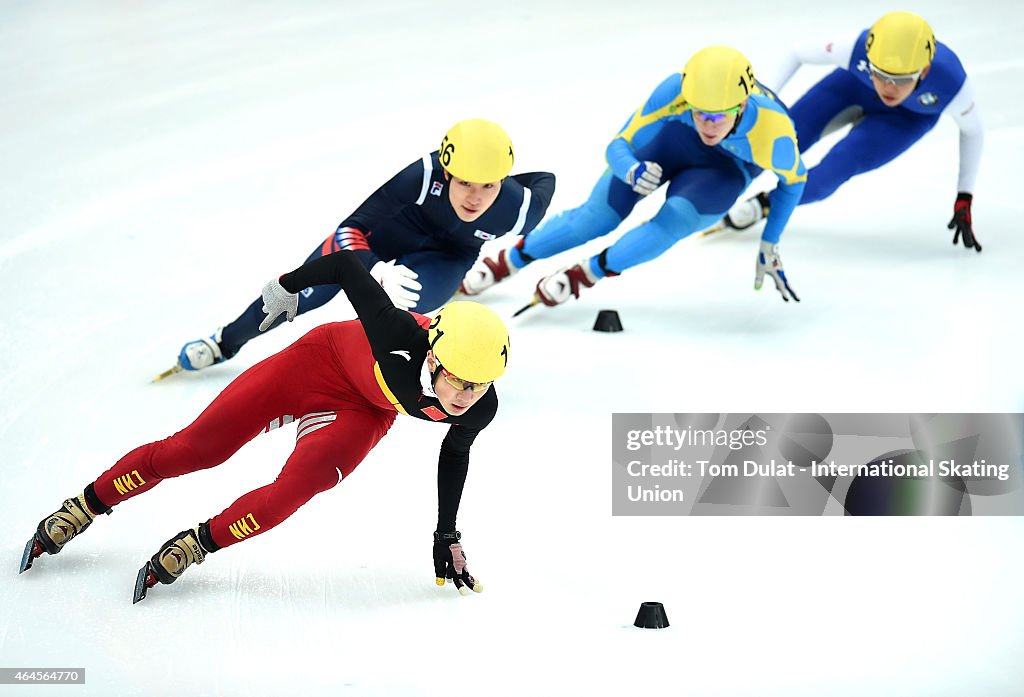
(489, 271)
(564, 284)
(57, 529)
(196, 355)
(175, 555)
(746, 213)
(202, 353)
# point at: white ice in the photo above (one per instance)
(161, 161)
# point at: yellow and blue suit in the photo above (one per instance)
(702, 181)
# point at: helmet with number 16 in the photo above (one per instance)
(477, 151)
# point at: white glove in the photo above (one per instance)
(277, 300)
(644, 177)
(768, 261)
(399, 282)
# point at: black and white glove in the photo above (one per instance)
(450, 563)
(278, 301)
(644, 177)
(399, 282)
(769, 262)
(961, 222)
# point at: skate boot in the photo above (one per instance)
(488, 271)
(202, 353)
(56, 530)
(177, 554)
(746, 213)
(560, 286)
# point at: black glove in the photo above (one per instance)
(962, 222)
(450, 563)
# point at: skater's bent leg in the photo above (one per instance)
(328, 448)
(245, 408)
(677, 219)
(875, 141)
(820, 110)
(695, 199)
(440, 274)
(609, 202)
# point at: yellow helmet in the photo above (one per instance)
(478, 151)
(717, 78)
(900, 43)
(470, 341)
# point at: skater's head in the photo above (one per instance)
(714, 126)
(457, 396)
(469, 199)
(717, 81)
(476, 155)
(469, 349)
(900, 48)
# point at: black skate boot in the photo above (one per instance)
(56, 530)
(177, 554)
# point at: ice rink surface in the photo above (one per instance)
(161, 161)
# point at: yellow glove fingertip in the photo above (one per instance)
(439, 581)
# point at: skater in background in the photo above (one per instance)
(892, 84)
(343, 383)
(704, 134)
(417, 234)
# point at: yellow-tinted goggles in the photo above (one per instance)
(460, 384)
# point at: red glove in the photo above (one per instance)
(962, 222)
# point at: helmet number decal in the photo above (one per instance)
(504, 354)
(440, 332)
(447, 148)
(743, 80)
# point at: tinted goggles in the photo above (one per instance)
(715, 116)
(892, 79)
(460, 384)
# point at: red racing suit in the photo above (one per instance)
(343, 383)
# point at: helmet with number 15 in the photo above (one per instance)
(717, 78)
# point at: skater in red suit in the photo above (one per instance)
(343, 383)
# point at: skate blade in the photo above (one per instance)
(29, 555)
(524, 308)
(145, 580)
(720, 226)
(176, 368)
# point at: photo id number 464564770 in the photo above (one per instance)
(21, 676)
